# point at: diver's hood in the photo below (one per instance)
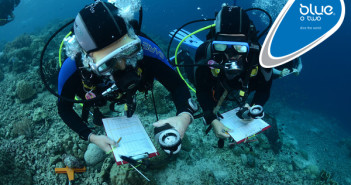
(232, 20)
(95, 19)
(231, 37)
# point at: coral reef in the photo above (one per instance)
(12, 171)
(1, 75)
(20, 42)
(34, 140)
(325, 178)
(125, 175)
(19, 54)
(7, 162)
(39, 115)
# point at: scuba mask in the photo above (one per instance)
(225, 46)
(231, 55)
(131, 52)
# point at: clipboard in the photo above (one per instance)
(135, 142)
(242, 130)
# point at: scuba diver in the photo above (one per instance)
(232, 48)
(6, 11)
(292, 67)
(108, 59)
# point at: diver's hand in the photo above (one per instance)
(180, 123)
(219, 129)
(296, 72)
(284, 72)
(102, 142)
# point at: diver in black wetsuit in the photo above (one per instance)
(232, 44)
(6, 10)
(107, 58)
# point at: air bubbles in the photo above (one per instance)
(127, 7)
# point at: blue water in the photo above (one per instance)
(323, 85)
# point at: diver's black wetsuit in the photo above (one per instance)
(6, 9)
(209, 88)
(153, 66)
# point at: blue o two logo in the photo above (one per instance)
(300, 26)
(314, 13)
(313, 10)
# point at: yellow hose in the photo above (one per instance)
(176, 53)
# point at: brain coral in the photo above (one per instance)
(24, 90)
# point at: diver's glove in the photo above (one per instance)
(248, 113)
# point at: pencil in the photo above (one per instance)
(119, 140)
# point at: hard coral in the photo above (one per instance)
(24, 90)
(23, 127)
